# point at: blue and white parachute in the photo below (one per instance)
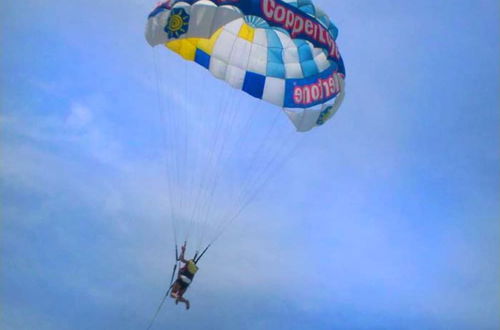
(280, 51)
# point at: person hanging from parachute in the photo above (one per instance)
(184, 278)
(283, 52)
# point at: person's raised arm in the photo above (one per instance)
(181, 256)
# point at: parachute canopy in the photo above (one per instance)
(281, 51)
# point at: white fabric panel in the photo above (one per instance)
(234, 26)
(235, 76)
(258, 54)
(293, 69)
(223, 46)
(321, 61)
(274, 91)
(218, 68)
(240, 53)
(303, 120)
(315, 51)
(258, 60)
(285, 39)
(260, 37)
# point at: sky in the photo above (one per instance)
(385, 218)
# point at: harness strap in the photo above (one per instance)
(201, 255)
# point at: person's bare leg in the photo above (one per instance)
(175, 292)
(184, 300)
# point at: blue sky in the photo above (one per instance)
(386, 218)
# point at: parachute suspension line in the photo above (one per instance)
(164, 143)
(175, 152)
(270, 174)
(183, 165)
(251, 167)
(201, 187)
(180, 153)
(216, 215)
(195, 135)
(278, 162)
(161, 304)
(193, 157)
(269, 171)
(260, 173)
(231, 127)
(227, 125)
(170, 286)
(265, 138)
(236, 146)
(251, 198)
(218, 167)
(252, 164)
(196, 259)
(216, 145)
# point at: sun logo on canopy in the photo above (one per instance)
(178, 23)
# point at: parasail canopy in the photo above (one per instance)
(281, 51)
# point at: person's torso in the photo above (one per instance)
(189, 270)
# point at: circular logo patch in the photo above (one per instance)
(177, 24)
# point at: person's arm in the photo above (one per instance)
(181, 256)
